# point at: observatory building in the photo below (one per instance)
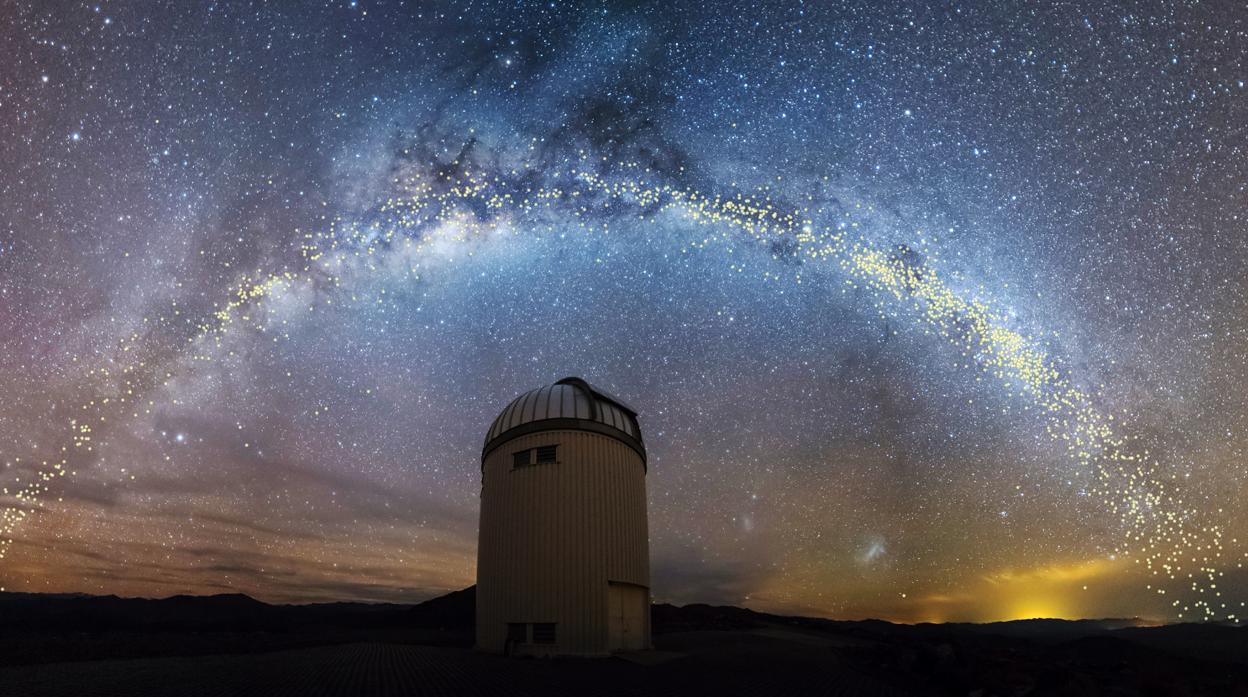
(563, 560)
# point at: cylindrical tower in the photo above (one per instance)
(563, 558)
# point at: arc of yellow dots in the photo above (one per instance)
(1161, 530)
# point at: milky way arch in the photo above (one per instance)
(455, 205)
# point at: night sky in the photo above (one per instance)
(930, 312)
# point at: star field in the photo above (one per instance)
(930, 312)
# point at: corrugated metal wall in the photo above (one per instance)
(552, 537)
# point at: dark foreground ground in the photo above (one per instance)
(233, 645)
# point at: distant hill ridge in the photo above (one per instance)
(84, 634)
(237, 611)
(37, 612)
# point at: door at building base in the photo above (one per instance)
(629, 606)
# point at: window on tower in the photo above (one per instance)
(546, 454)
(543, 632)
(521, 459)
